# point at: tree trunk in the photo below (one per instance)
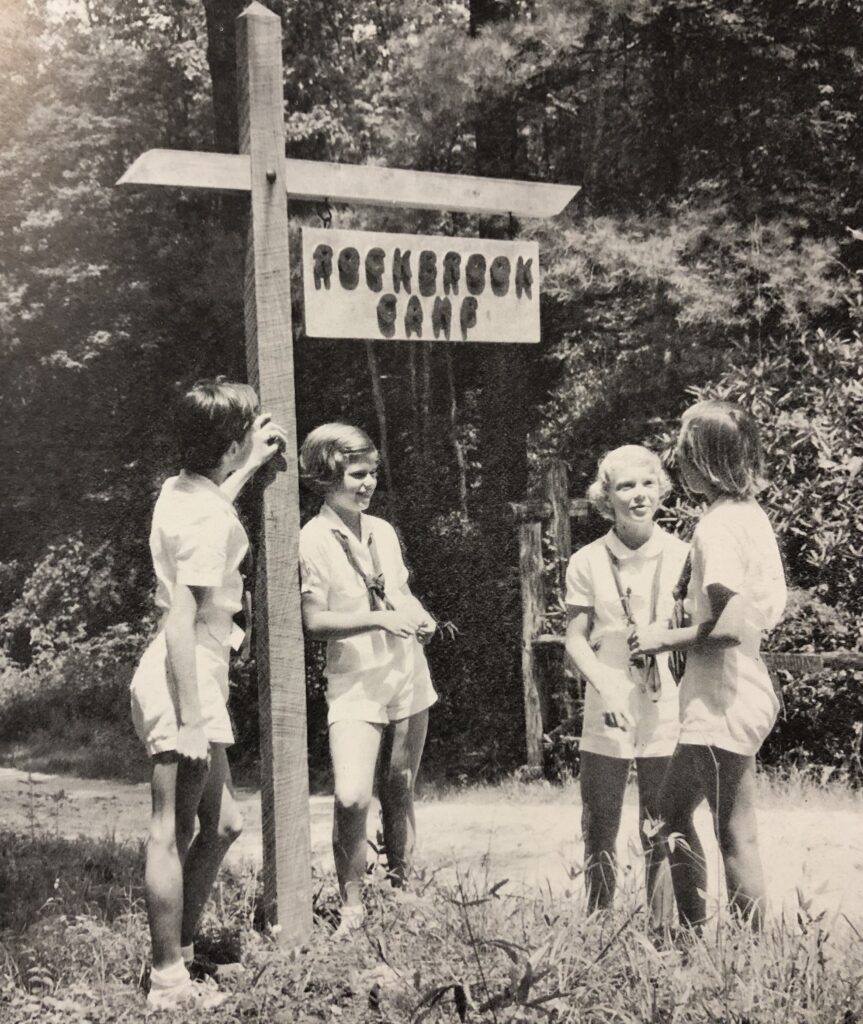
(425, 409)
(458, 451)
(381, 413)
(503, 416)
(221, 20)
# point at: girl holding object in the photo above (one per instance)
(355, 595)
(621, 580)
(727, 701)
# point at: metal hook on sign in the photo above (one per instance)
(325, 212)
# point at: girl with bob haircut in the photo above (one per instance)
(355, 595)
(621, 580)
(727, 701)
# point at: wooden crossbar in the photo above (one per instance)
(796, 662)
(355, 183)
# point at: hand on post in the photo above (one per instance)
(268, 439)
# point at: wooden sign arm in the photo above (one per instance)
(355, 183)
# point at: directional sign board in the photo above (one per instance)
(367, 284)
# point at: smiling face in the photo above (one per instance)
(634, 493)
(354, 493)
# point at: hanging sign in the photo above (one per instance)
(367, 284)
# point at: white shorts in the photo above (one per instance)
(154, 713)
(733, 707)
(378, 695)
(657, 723)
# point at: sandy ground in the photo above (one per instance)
(530, 838)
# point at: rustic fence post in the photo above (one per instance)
(555, 485)
(532, 611)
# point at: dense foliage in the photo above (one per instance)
(715, 247)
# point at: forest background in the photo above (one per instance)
(716, 248)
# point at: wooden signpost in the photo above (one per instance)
(262, 169)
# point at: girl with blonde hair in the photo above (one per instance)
(623, 580)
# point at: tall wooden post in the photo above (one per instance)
(269, 353)
(532, 610)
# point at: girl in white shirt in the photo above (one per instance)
(355, 595)
(630, 711)
(727, 701)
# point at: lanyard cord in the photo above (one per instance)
(614, 564)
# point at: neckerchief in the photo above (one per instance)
(374, 584)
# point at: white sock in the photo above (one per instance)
(169, 977)
(188, 953)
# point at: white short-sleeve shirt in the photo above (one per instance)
(197, 539)
(655, 566)
(590, 583)
(726, 695)
(326, 572)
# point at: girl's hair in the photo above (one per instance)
(208, 418)
(328, 450)
(720, 439)
(599, 492)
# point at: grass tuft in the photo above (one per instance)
(74, 942)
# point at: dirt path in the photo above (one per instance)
(531, 839)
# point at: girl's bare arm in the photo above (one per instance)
(597, 675)
(723, 627)
(323, 623)
(183, 673)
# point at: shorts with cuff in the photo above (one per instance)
(657, 723)
(154, 713)
(379, 695)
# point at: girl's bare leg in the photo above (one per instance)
(728, 781)
(603, 782)
(354, 751)
(176, 791)
(657, 873)
(401, 753)
(679, 795)
(221, 824)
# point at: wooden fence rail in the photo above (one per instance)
(543, 660)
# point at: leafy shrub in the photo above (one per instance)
(71, 595)
(807, 394)
(823, 719)
(477, 727)
(72, 711)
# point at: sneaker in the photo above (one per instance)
(352, 920)
(193, 994)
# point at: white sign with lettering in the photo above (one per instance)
(367, 284)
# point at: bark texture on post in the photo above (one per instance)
(269, 353)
